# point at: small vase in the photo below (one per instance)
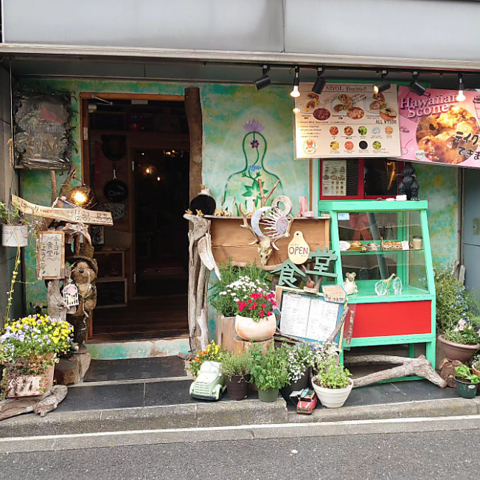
(249, 330)
(14, 235)
(237, 387)
(332, 397)
(457, 351)
(269, 395)
(300, 384)
(466, 389)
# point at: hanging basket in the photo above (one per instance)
(14, 235)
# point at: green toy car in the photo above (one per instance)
(210, 382)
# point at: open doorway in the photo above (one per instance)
(139, 168)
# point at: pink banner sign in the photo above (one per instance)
(437, 128)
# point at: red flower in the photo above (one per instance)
(263, 305)
(262, 313)
(249, 300)
(241, 306)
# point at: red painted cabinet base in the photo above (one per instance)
(391, 319)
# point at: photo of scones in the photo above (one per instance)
(439, 136)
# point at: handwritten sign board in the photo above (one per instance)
(309, 317)
(51, 255)
(74, 215)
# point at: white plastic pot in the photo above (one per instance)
(332, 397)
(14, 235)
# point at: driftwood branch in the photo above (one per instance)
(406, 367)
(338, 327)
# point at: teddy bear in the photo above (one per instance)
(84, 272)
(349, 285)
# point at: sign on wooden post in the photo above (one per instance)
(51, 255)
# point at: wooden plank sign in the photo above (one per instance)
(51, 255)
(74, 215)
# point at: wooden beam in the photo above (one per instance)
(133, 96)
(193, 108)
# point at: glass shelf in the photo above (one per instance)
(377, 252)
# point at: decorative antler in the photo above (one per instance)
(263, 198)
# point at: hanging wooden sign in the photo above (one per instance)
(74, 215)
(298, 249)
(51, 255)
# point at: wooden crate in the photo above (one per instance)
(230, 240)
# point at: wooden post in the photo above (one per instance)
(193, 109)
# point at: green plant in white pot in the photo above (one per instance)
(14, 227)
(332, 383)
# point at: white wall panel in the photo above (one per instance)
(249, 25)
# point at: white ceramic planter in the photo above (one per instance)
(14, 235)
(250, 330)
(332, 397)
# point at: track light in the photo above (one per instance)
(416, 87)
(296, 82)
(382, 85)
(460, 97)
(264, 81)
(319, 84)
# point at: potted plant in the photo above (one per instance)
(213, 353)
(269, 373)
(461, 341)
(299, 358)
(31, 345)
(467, 381)
(332, 383)
(235, 285)
(236, 369)
(255, 320)
(14, 227)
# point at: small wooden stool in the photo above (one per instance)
(240, 346)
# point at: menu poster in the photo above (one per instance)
(308, 317)
(437, 128)
(334, 178)
(50, 255)
(346, 120)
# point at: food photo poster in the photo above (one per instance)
(438, 128)
(346, 120)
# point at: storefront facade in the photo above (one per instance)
(232, 105)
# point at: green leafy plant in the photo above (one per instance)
(466, 373)
(235, 285)
(269, 371)
(11, 215)
(476, 362)
(332, 375)
(464, 333)
(453, 300)
(236, 364)
(212, 353)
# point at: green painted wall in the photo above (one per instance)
(226, 110)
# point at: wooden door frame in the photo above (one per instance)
(192, 102)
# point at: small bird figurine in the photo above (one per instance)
(203, 202)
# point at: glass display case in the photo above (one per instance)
(385, 247)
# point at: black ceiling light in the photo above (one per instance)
(416, 87)
(296, 82)
(383, 84)
(320, 82)
(264, 81)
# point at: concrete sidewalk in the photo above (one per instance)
(165, 404)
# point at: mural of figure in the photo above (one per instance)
(243, 185)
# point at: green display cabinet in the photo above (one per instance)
(380, 240)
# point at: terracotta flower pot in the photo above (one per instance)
(237, 387)
(458, 351)
(250, 330)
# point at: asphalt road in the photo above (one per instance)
(424, 455)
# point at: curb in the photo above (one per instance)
(222, 414)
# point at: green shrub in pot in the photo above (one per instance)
(236, 369)
(467, 381)
(269, 373)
